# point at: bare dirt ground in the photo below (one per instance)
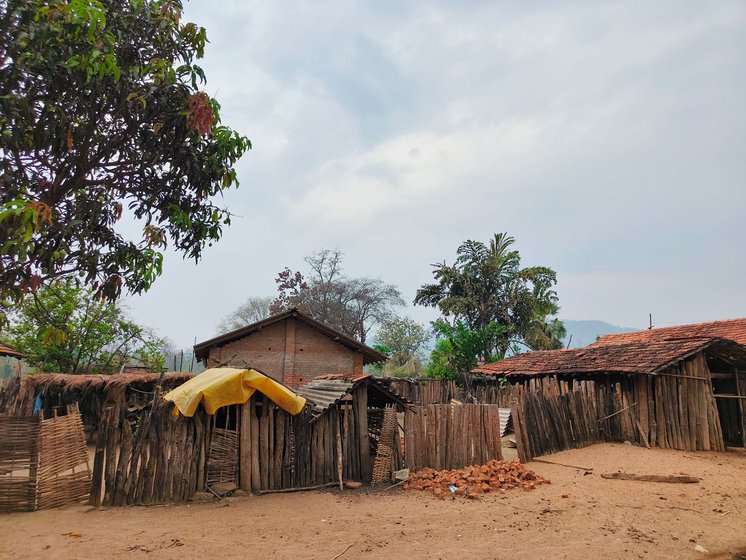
(576, 516)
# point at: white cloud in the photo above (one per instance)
(608, 138)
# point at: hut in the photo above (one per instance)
(52, 393)
(290, 347)
(729, 329)
(7, 350)
(224, 428)
(10, 364)
(666, 390)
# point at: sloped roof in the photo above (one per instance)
(732, 329)
(6, 350)
(72, 382)
(370, 356)
(639, 357)
(326, 391)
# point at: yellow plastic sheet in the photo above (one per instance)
(223, 386)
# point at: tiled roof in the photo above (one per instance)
(638, 357)
(6, 350)
(732, 329)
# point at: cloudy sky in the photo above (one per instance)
(608, 138)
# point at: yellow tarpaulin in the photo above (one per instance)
(223, 386)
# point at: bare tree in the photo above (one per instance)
(250, 311)
(351, 305)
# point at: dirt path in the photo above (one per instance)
(577, 516)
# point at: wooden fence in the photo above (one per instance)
(43, 462)
(443, 391)
(548, 424)
(162, 458)
(18, 460)
(451, 436)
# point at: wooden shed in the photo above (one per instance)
(290, 347)
(145, 454)
(678, 393)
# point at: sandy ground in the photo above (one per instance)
(577, 516)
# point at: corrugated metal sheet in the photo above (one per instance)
(324, 393)
(504, 414)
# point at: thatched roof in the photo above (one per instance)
(70, 382)
(7, 350)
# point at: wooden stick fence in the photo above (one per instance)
(451, 436)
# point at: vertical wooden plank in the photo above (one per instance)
(271, 410)
(112, 445)
(244, 443)
(515, 412)
(256, 479)
(279, 445)
(99, 458)
(362, 414)
(122, 470)
(264, 465)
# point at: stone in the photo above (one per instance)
(224, 488)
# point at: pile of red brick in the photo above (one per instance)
(471, 482)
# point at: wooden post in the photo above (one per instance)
(518, 428)
(256, 482)
(361, 402)
(741, 407)
(339, 456)
(244, 442)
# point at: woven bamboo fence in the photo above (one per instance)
(64, 471)
(451, 436)
(18, 460)
(43, 462)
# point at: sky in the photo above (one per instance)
(608, 138)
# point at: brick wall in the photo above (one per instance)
(290, 351)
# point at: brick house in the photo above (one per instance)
(291, 347)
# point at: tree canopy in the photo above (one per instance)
(253, 309)
(489, 293)
(350, 305)
(403, 340)
(101, 116)
(68, 329)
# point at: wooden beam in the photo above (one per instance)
(244, 463)
(651, 478)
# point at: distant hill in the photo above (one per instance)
(586, 332)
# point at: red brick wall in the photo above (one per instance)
(309, 353)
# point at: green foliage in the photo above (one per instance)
(100, 113)
(439, 367)
(65, 328)
(404, 338)
(459, 348)
(487, 285)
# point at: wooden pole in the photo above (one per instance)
(244, 464)
(339, 457)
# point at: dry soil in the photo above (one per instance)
(578, 515)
